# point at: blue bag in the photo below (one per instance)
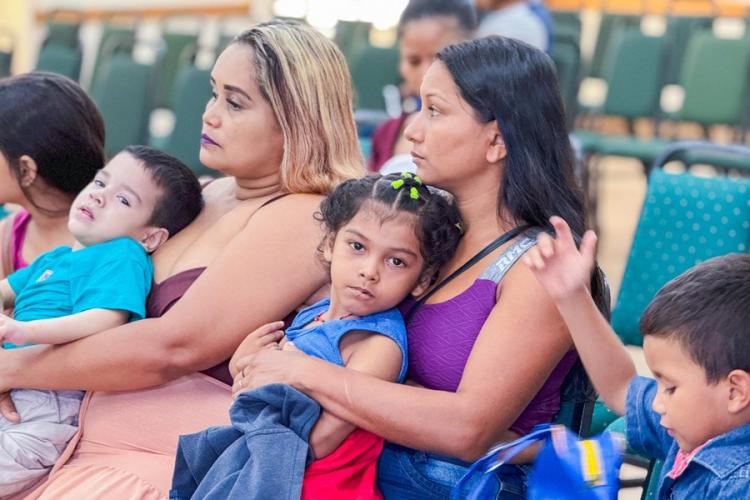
(565, 468)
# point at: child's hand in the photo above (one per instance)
(262, 337)
(557, 264)
(12, 330)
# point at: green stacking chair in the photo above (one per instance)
(192, 91)
(681, 30)
(610, 25)
(123, 94)
(373, 69)
(567, 22)
(180, 48)
(352, 37)
(567, 59)
(634, 83)
(63, 33)
(61, 59)
(6, 60)
(115, 39)
(714, 77)
(685, 220)
(6, 52)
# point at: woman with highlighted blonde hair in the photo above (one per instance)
(279, 124)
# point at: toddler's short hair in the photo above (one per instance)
(707, 310)
(181, 200)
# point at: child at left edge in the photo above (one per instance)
(386, 237)
(131, 207)
(696, 414)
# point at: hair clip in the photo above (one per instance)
(413, 193)
(397, 184)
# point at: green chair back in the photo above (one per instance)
(352, 37)
(680, 30)
(567, 22)
(115, 39)
(191, 92)
(60, 59)
(373, 69)
(63, 33)
(179, 49)
(714, 77)
(6, 59)
(123, 95)
(610, 25)
(652, 480)
(634, 81)
(567, 59)
(685, 220)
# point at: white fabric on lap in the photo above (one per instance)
(29, 449)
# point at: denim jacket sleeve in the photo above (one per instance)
(644, 433)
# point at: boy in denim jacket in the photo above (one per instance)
(696, 340)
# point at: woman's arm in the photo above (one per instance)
(520, 344)
(565, 271)
(372, 354)
(261, 275)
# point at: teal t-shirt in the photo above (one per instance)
(115, 274)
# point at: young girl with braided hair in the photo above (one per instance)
(386, 238)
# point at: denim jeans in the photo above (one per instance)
(406, 474)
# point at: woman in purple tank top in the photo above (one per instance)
(488, 351)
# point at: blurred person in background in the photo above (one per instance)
(528, 21)
(425, 27)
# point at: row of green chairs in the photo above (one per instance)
(127, 91)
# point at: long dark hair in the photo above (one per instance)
(51, 119)
(515, 85)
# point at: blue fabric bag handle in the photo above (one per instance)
(565, 468)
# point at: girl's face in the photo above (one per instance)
(420, 40)
(240, 135)
(450, 146)
(375, 261)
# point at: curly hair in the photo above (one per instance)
(439, 226)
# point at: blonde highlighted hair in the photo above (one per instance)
(304, 78)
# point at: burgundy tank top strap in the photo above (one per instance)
(18, 237)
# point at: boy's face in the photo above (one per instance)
(118, 202)
(692, 410)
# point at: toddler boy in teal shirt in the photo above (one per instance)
(133, 205)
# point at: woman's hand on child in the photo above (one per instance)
(268, 366)
(12, 331)
(264, 337)
(557, 264)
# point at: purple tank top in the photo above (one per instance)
(165, 294)
(441, 336)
